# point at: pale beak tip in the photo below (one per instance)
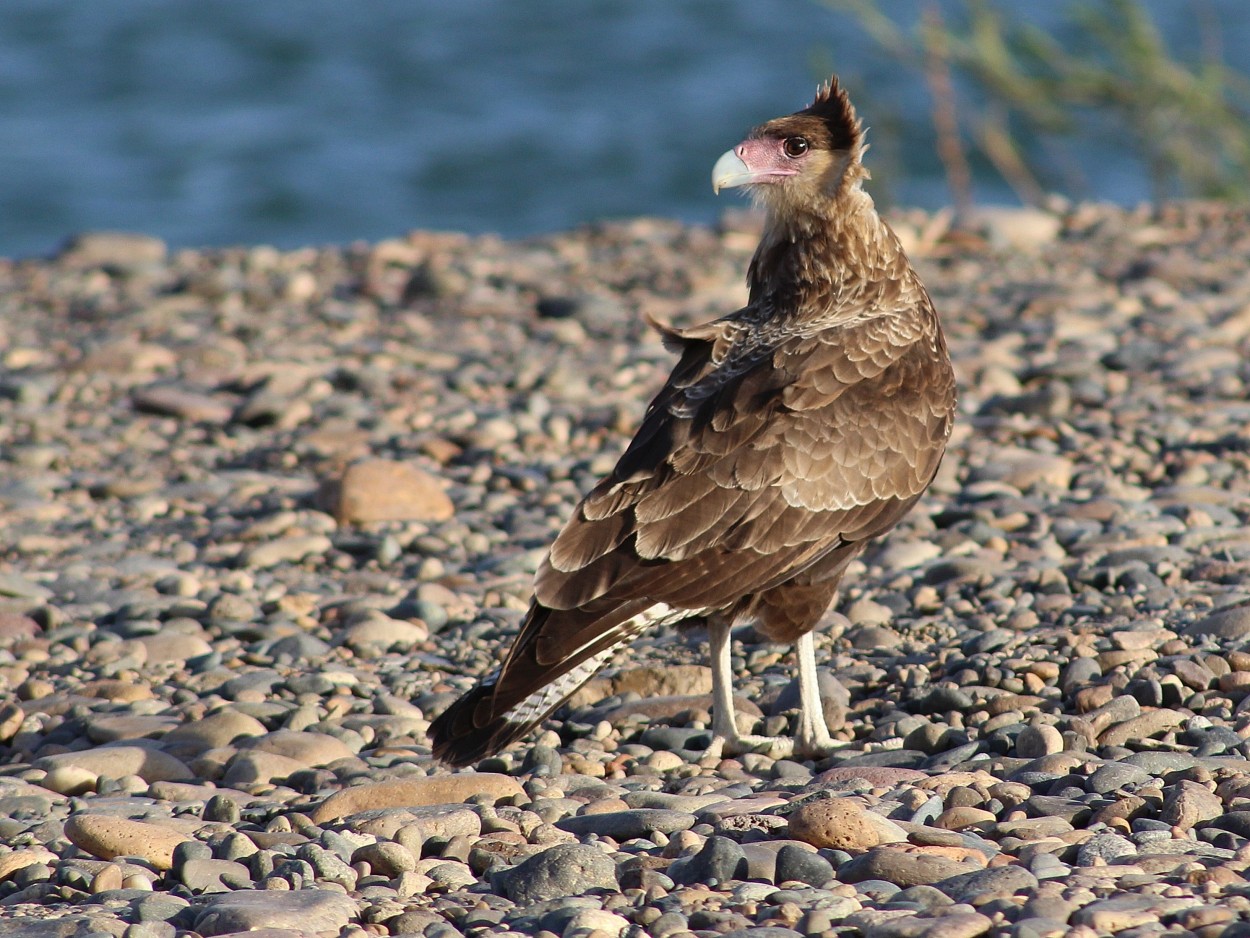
(728, 172)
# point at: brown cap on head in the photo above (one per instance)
(828, 123)
(833, 107)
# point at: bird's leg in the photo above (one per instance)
(726, 740)
(724, 718)
(811, 736)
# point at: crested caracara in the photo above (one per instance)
(790, 433)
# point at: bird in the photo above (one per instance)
(790, 434)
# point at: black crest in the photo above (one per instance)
(833, 107)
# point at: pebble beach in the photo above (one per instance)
(266, 513)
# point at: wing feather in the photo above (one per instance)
(753, 473)
(787, 455)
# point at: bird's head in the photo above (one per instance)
(800, 160)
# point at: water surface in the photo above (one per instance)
(324, 121)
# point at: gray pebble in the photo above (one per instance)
(1161, 763)
(1114, 776)
(804, 866)
(999, 882)
(235, 846)
(676, 738)
(719, 861)
(1109, 848)
(626, 825)
(1232, 622)
(150, 930)
(901, 869)
(944, 698)
(249, 910)
(11, 584)
(1035, 741)
(922, 898)
(159, 907)
(1049, 866)
(669, 923)
(221, 808)
(190, 850)
(563, 870)
(385, 858)
(1238, 822)
(210, 876)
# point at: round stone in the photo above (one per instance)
(840, 823)
(108, 837)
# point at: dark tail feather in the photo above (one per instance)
(477, 725)
(460, 740)
(489, 717)
(509, 703)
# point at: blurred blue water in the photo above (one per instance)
(311, 121)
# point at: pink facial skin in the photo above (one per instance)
(755, 161)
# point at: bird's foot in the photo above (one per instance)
(818, 748)
(775, 747)
(815, 745)
(812, 739)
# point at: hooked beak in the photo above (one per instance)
(730, 172)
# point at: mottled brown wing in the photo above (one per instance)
(748, 470)
(756, 471)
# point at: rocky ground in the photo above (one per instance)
(266, 513)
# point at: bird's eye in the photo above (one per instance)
(794, 147)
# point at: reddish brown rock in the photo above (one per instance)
(386, 490)
(1188, 804)
(881, 775)
(409, 792)
(905, 865)
(841, 823)
(108, 837)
